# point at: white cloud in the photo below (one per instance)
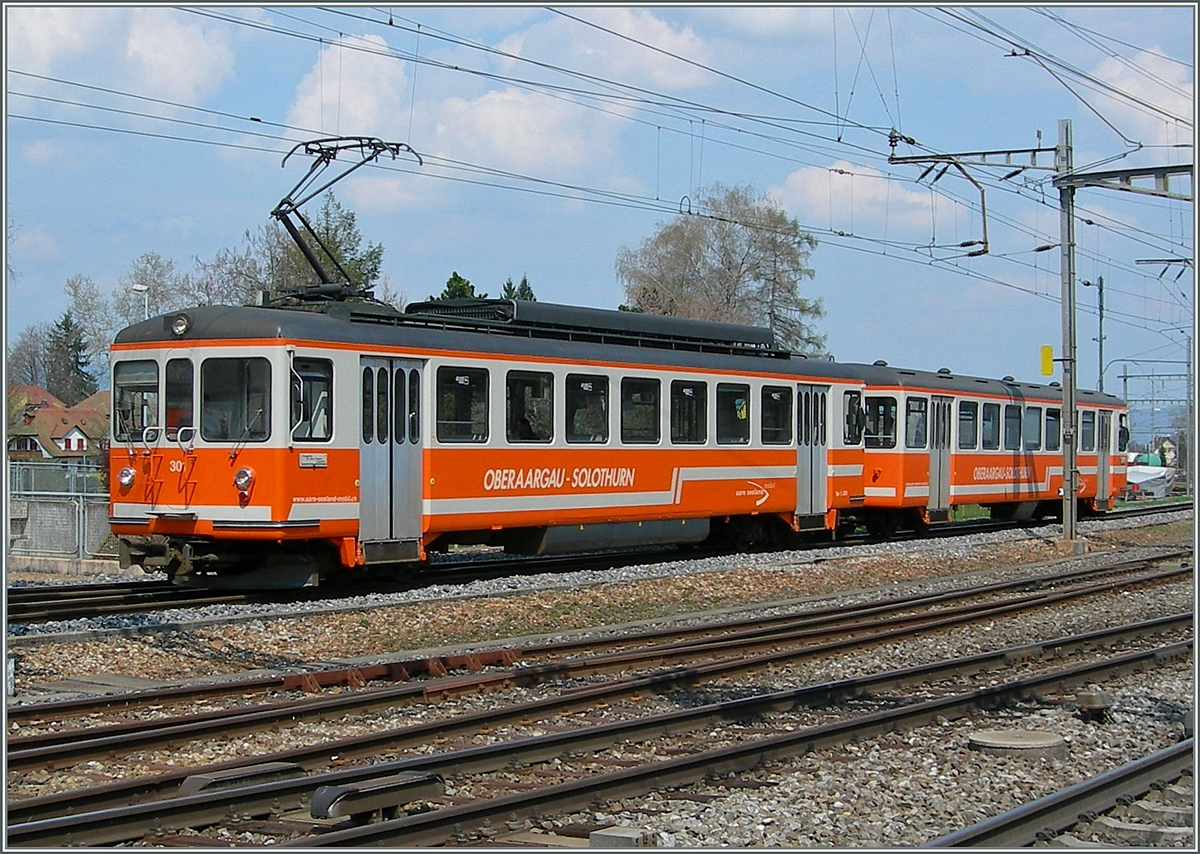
(181, 61)
(516, 130)
(37, 244)
(43, 151)
(354, 92)
(1157, 81)
(851, 198)
(36, 38)
(774, 21)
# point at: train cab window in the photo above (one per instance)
(1053, 429)
(462, 404)
(990, 426)
(235, 400)
(852, 429)
(968, 425)
(916, 422)
(1122, 433)
(776, 415)
(733, 414)
(179, 391)
(587, 408)
(689, 413)
(1087, 431)
(135, 398)
(639, 411)
(311, 394)
(880, 429)
(1012, 427)
(1033, 428)
(529, 406)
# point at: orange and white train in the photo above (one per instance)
(267, 446)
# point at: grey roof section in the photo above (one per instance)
(965, 384)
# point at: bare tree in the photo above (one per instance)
(27, 356)
(737, 259)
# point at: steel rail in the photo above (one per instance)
(1058, 812)
(113, 820)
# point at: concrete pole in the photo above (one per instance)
(1064, 163)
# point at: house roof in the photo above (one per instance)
(47, 418)
(26, 395)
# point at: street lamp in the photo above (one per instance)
(1099, 286)
(144, 290)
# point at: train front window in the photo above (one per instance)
(135, 398)
(236, 400)
(587, 408)
(880, 428)
(529, 406)
(179, 389)
(311, 393)
(462, 404)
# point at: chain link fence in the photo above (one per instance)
(59, 510)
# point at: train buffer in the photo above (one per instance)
(383, 795)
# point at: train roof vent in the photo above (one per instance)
(880, 363)
(944, 371)
(1007, 379)
(1055, 385)
(573, 323)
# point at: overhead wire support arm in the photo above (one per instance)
(324, 152)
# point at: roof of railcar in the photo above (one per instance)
(932, 381)
(542, 330)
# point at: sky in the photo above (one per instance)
(552, 138)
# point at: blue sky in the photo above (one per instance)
(554, 137)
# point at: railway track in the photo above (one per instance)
(31, 605)
(692, 660)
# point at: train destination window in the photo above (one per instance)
(639, 410)
(990, 426)
(529, 406)
(1033, 428)
(312, 391)
(462, 404)
(587, 408)
(968, 425)
(733, 414)
(880, 429)
(235, 400)
(1087, 431)
(776, 415)
(1012, 428)
(916, 422)
(179, 388)
(852, 431)
(1053, 429)
(689, 413)
(135, 398)
(368, 406)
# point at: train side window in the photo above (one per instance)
(368, 406)
(236, 400)
(1033, 428)
(1053, 429)
(179, 393)
(776, 415)
(587, 408)
(968, 425)
(1012, 427)
(1122, 433)
(689, 413)
(916, 422)
(311, 393)
(1087, 431)
(135, 398)
(880, 427)
(640, 421)
(529, 406)
(852, 430)
(414, 406)
(733, 414)
(399, 404)
(990, 426)
(462, 404)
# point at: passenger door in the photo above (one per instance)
(812, 452)
(939, 452)
(1104, 459)
(390, 458)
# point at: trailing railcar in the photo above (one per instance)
(263, 446)
(936, 440)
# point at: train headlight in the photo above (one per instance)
(180, 324)
(126, 476)
(244, 479)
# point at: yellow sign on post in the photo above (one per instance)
(1047, 361)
